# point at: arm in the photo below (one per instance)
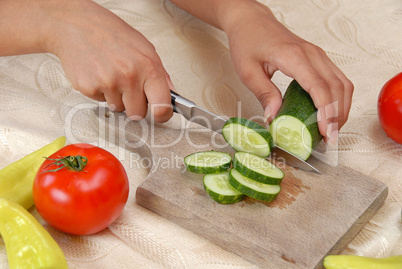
(260, 46)
(21, 30)
(103, 57)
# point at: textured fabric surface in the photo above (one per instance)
(363, 38)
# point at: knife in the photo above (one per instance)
(203, 117)
(196, 114)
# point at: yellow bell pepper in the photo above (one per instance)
(359, 262)
(16, 179)
(28, 244)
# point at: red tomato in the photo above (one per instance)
(389, 108)
(81, 202)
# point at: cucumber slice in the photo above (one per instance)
(295, 127)
(208, 162)
(248, 136)
(292, 135)
(252, 188)
(257, 168)
(219, 188)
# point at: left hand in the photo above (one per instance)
(260, 45)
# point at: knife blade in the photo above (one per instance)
(284, 156)
(196, 114)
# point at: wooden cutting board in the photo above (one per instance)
(313, 216)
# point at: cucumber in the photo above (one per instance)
(295, 127)
(257, 168)
(248, 136)
(219, 188)
(252, 188)
(208, 162)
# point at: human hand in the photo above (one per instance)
(107, 60)
(260, 46)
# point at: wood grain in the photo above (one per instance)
(313, 216)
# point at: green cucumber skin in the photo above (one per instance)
(219, 197)
(254, 126)
(250, 192)
(223, 199)
(298, 103)
(207, 170)
(242, 169)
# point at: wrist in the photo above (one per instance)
(66, 20)
(23, 27)
(56, 16)
(237, 13)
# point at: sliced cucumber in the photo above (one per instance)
(292, 135)
(252, 188)
(295, 127)
(208, 162)
(248, 136)
(219, 188)
(257, 168)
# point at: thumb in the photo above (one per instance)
(265, 90)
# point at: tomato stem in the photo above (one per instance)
(72, 163)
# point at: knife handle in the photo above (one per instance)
(179, 103)
(173, 97)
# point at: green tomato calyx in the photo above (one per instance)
(72, 163)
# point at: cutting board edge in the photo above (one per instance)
(253, 258)
(354, 230)
(363, 219)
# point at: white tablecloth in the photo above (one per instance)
(362, 37)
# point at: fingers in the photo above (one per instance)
(344, 94)
(328, 87)
(254, 77)
(114, 63)
(136, 90)
(152, 92)
(135, 103)
(134, 94)
(340, 89)
(114, 100)
(157, 91)
(330, 90)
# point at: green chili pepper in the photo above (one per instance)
(28, 244)
(16, 179)
(359, 262)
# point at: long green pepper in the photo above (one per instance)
(16, 179)
(28, 244)
(359, 262)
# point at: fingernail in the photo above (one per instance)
(267, 114)
(332, 135)
(135, 118)
(319, 116)
(334, 138)
(111, 107)
(329, 130)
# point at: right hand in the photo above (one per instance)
(108, 60)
